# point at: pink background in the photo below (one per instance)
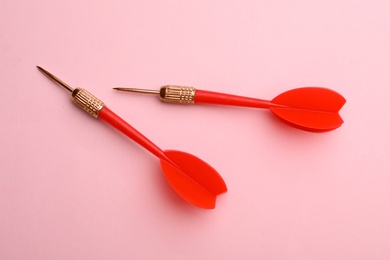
(72, 188)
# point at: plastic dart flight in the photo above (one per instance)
(312, 109)
(193, 179)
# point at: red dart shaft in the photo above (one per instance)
(209, 97)
(115, 121)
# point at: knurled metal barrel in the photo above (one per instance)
(87, 101)
(177, 94)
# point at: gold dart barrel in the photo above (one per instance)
(87, 101)
(177, 94)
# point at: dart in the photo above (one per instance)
(313, 109)
(193, 179)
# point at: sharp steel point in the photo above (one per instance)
(55, 79)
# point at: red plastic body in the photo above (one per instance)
(312, 109)
(193, 179)
(209, 97)
(115, 121)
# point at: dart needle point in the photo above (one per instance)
(55, 79)
(138, 90)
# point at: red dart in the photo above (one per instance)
(193, 179)
(312, 109)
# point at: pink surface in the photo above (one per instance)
(71, 188)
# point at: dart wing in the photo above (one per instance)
(312, 108)
(193, 179)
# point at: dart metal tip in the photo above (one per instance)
(139, 90)
(55, 79)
